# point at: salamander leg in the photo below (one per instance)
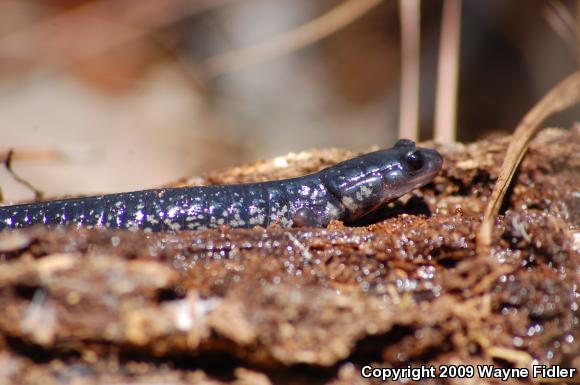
(305, 217)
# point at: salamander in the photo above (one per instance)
(345, 191)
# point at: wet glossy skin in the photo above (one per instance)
(345, 191)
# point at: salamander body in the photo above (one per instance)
(345, 191)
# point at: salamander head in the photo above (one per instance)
(364, 183)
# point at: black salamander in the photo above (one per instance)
(345, 191)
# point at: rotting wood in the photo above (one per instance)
(251, 304)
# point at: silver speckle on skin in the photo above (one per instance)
(152, 219)
(349, 203)
(332, 210)
(363, 193)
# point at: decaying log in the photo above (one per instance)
(289, 306)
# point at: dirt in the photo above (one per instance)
(310, 306)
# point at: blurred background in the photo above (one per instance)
(117, 95)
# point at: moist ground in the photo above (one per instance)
(309, 306)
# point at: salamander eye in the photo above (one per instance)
(415, 160)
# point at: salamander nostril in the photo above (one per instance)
(415, 160)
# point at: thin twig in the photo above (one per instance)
(31, 154)
(562, 96)
(306, 34)
(577, 24)
(8, 164)
(410, 70)
(448, 73)
(562, 22)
